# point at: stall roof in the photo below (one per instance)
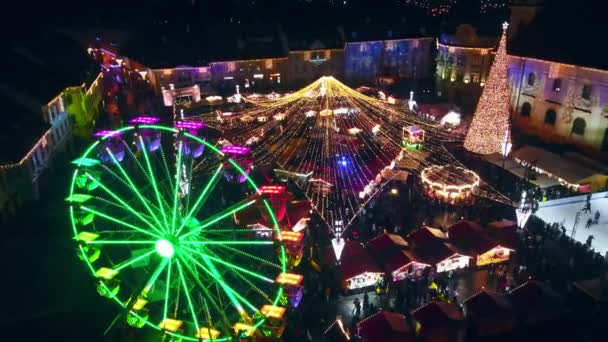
(486, 303)
(504, 232)
(469, 237)
(386, 241)
(571, 172)
(425, 235)
(354, 266)
(434, 252)
(492, 313)
(537, 302)
(297, 210)
(385, 326)
(437, 314)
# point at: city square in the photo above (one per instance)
(433, 176)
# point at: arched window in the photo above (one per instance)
(526, 109)
(578, 127)
(531, 79)
(550, 117)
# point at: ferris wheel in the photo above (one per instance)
(162, 242)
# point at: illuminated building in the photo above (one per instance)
(44, 114)
(365, 62)
(560, 103)
(463, 62)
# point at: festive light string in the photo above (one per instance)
(301, 145)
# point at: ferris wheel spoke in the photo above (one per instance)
(256, 258)
(125, 204)
(230, 293)
(228, 242)
(131, 261)
(133, 187)
(220, 216)
(178, 170)
(168, 286)
(187, 294)
(200, 201)
(230, 265)
(155, 275)
(121, 222)
(159, 198)
(120, 242)
(195, 276)
(243, 278)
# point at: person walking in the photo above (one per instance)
(589, 223)
(357, 303)
(596, 217)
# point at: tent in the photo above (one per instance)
(385, 326)
(439, 321)
(491, 313)
(537, 303)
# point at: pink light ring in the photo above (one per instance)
(148, 120)
(236, 150)
(190, 125)
(107, 133)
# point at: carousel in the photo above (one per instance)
(449, 183)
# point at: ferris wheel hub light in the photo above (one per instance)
(164, 248)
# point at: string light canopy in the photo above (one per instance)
(486, 134)
(334, 142)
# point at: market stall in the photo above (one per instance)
(391, 252)
(360, 271)
(385, 326)
(469, 238)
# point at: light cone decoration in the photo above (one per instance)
(486, 134)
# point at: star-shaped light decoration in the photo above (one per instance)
(505, 25)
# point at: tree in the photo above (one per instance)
(490, 125)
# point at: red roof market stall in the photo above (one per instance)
(469, 238)
(391, 252)
(439, 321)
(385, 326)
(426, 234)
(359, 271)
(431, 246)
(491, 313)
(505, 232)
(537, 303)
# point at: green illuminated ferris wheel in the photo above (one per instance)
(162, 241)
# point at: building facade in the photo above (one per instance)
(71, 113)
(365, 62)
(463, 62)
(19, 181)
(561, 103)
(361, 62)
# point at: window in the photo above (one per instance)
(605, 141)
(557, 84)
(578, 127)
(550, 117)
(526, 109)
(586, 93)
(531, 79)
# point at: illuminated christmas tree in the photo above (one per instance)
(490, 123)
